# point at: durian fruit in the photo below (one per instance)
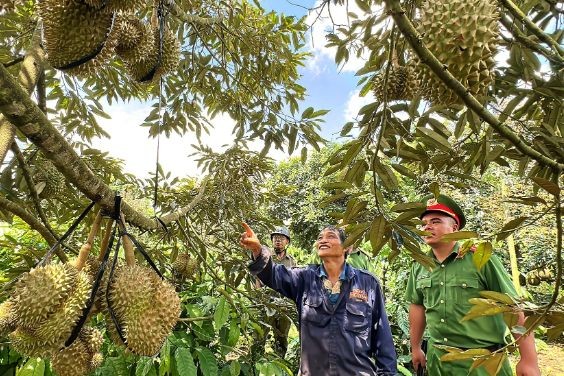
(82, 356)
(463, 36)
(146, 307)
(136, 39)
(7, 317)
(49, 182)
(78, 38)
(402, 84)
(110, 6)
(48, 302)
(156, 64)
(185, 265)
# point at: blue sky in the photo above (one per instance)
(328, 87)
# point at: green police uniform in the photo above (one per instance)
(444, 292)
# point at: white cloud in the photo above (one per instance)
(324, 20)
(355, 103)
(131, 142)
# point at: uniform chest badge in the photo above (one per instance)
(358, 294)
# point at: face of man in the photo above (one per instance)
(437, 224)
(279, 243)
(329, 244)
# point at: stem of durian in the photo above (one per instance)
(105, 240)
(128, 249)
(86, 247)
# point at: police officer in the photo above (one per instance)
(344, 329)
(439, 300)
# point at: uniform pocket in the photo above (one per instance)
(313, 312)
(464, 287)
(423, 285)
(357, 318)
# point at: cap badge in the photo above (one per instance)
(432, 201)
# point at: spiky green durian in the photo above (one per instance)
(463, 36)
(48, 302)
(7, 317)
(78, 38)
(146, 307)
(49, 182)
(39, 293)
(401, 84)
(82, 356)
(185, 265)
(156, 64)
(110, 6)
(136, 41)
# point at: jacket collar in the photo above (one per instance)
(346, 274)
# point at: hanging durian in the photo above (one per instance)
(401, 84)
(82, 356)
(78, 38)
(48, 302)
(185, 266)
(7, 317)
(146, 307)
(136, 41)
(156, 64)
(463, 37)
(110, 6)
(49, 182)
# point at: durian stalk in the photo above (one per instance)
(105, 240)
(128, 249)
(86, 247)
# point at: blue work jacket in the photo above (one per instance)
(351, 337)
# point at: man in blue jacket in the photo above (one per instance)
(344, 328)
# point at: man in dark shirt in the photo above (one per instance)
(344, 328)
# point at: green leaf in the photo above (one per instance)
(463, 355)
(234, 333)
(378, 233)
(547, 185)
(508, 228)
(405, 206)
(403, 170)
(491, 364)
(33, 367)
(482, 254)
(497, 296)
(234, 368)
(221, 314)
(184, 362)
(208, 363)
(385, 174)
(144, 366)
(435, 189)
(459, 235)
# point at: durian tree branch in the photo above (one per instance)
(33, 223)
(31, 186)
(427, 57)
(523, 39)
(30, 70)
(522, 17)
(21, 111)
(17, 60)
(181, 14)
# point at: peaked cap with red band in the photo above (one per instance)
(446, 205)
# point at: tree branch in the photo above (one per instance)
(411, 35)
(523, 39)
(31, 186)
(181, 14)
(519, 15)
(32, 221)
(17, 60)
(21, 111)
(29, 72)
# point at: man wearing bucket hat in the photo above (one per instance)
(439, 300)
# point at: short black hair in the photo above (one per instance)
(340, 231)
